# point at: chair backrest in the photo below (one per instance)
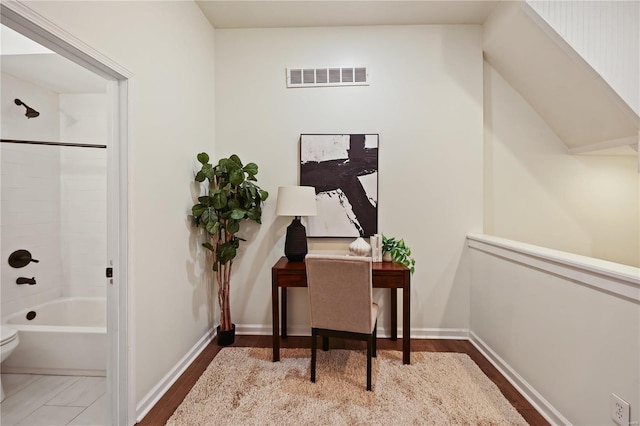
(340, 294)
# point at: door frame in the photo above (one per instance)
(120, 369)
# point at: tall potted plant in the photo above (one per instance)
(231, 198)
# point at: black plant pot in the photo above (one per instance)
(226, 338)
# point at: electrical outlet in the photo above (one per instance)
(619, 410)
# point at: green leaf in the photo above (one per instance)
(208, 215)
(251, 191)
(198, 209)
(254, 213)
(226, 252)
(219, 201)
(208, 246)
(203, 158)
(263, 194)
(208, 171)
(236, 176)
(237, 214)
(233, 204)
(236, 160)
(251, 168)
(233, 226)
(212, 227)
(205, 215)
(200, 176)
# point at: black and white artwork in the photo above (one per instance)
(344, 171)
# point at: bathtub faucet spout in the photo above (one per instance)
(23, 280)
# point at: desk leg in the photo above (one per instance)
(274, 319)
(283, 292)
(394, 314)
(406, 324)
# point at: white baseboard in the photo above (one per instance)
(548, 411)
(154, 395)
(253, 329)
(439, 333)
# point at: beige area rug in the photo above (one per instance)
(242, 386)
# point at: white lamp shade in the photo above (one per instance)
(296, 201)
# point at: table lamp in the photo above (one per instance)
(296, 201)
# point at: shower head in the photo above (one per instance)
(31, 113)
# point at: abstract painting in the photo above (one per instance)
(344, 171)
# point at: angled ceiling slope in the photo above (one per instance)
(583, 110)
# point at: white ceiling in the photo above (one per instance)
(297, 13)
(53, 72)
(32, 62)
(29, 61)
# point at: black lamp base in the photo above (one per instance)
(295, 244)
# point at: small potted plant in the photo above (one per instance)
(394, 249)
(231, 198)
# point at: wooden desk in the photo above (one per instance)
(389, 275)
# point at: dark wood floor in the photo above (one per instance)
(161, 412)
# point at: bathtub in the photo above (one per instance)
(67, 336)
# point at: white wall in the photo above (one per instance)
(573, 343)
(537, 193)
(30, 192)
(169, 48)
(425, 101)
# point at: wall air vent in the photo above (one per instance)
(327, 76)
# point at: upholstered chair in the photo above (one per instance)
(341, 303)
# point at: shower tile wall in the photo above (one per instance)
(83, 175)
(31, 221)
(84, 223)
(53, 199)
(30, 188)
(14, 123)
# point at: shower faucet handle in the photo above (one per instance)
(24, 280)
(21, 258)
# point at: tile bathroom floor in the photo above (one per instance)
(36, 400)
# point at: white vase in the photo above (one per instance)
(359, 247)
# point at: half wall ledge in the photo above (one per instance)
(610, 277)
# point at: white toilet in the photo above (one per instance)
(8, 342)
